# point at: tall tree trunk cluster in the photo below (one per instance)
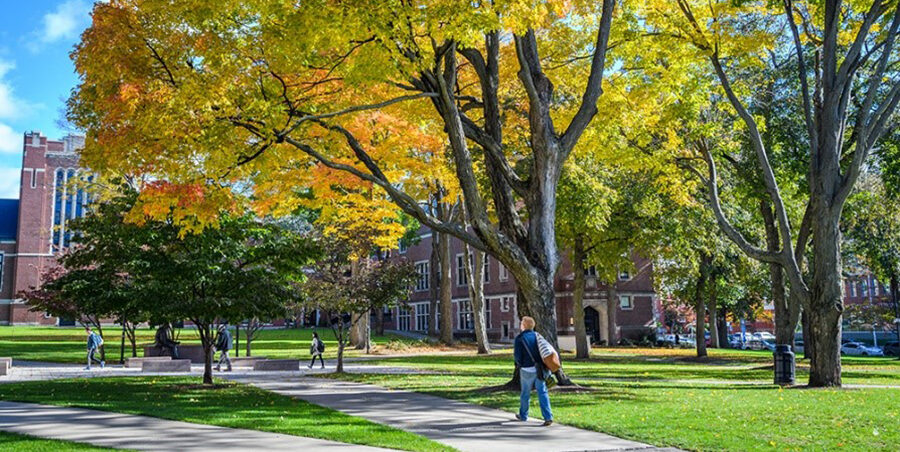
(857, 71)
(700, 302)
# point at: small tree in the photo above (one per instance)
(348, 296)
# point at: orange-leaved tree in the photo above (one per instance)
(259, 95)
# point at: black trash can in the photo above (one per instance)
(785, 365)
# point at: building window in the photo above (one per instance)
(33, 178)
(465, 315)
(487, 313)
(402, 246)
(625, 302)
(504, 273)
(423, 281)
(422, 312)
(486, 269)
(852, 288)
(403, 318)
(624, 276)
(505, 328)
(504, 303)
(58, 189)
(591, 271)
(461, 278)
(1, 271)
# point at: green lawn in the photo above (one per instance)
(665, 398)
(648, 365)
(25, 443)
(228, 404)
(67, 345)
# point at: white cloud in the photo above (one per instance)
(9, 182)
(8, 107)
(63, 23)
(10, 140)
(66, 21)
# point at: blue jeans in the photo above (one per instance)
(529, 380)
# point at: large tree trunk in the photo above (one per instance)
(787, 310)
(379, 322)
(700, 305)
(446, 303)
(714, 313)
(359, 323)
(723, 328)
(582, 346)
(434, 264)
(826, 304)
(895, 299)
(612, 308)
(475, 272)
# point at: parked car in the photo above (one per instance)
(891, 348)
(756, 344)
(764, 336)
(855, 348)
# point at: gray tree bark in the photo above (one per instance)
(700, 305)
(446, 302)
(434, 278)
(475, 272)
(714, 313)
(582, 346)
(612, 307)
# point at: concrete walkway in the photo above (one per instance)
(461, 425)
(127, 431)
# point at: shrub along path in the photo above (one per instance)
(118, 430)
(461, 425)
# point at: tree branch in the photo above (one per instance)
(732, 233)
(594, 88)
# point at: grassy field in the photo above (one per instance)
(668, 398)
(24, 443)
(228, 404)
(67, 345)
(649, 365)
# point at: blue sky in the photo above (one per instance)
(36, 74)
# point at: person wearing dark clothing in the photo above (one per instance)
(94, 341)
(531, 372)
(223, 345)
(316, 349)
(164, 340)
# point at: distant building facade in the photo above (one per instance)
(33, 229)
(637, 307)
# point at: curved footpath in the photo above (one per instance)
(463, 426)
(458, 424)
(125, 431)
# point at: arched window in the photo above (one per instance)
(58, 187)
(70, 206)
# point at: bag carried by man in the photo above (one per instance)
(548, 355)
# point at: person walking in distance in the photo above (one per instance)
(94, 341)
(532, 372)
(223, 345)
(316, 349)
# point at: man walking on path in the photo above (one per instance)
(223, 344)
(94, 341)
(316, 349)
(531, 372)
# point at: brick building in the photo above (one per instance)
(33, 228)
(636, 311)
